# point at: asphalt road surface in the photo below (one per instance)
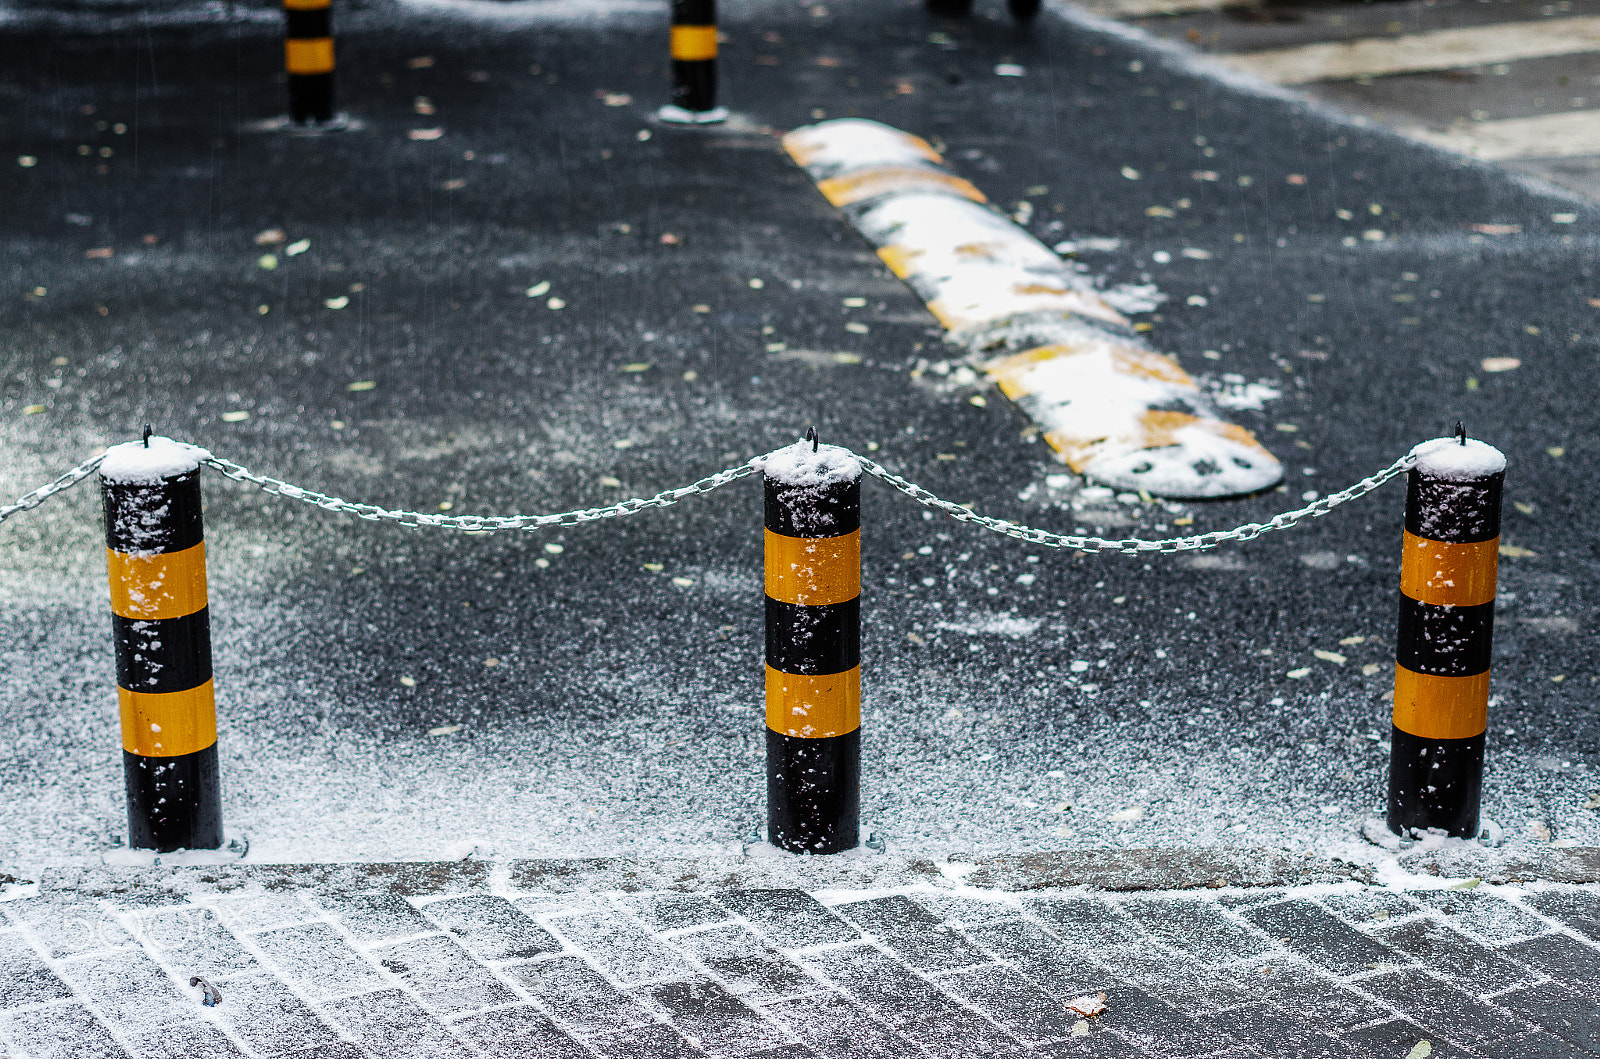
(399, 693)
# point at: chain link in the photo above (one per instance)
(492, 523)
(477, 523)
(1132, 545)
(45, 492)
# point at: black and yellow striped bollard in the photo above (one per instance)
(813, 589)
(694, 65)
(308, 60)
(1441, 682)
(156, 559)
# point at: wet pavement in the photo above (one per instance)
(352, 313)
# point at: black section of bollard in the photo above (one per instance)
(814, 792)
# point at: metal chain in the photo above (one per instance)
(1133, 546)
(477, 523)
(43, 493)
(491, 523)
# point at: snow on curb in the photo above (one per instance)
(1114, 410)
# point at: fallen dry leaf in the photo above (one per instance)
(271, 237)
(1088, 1006)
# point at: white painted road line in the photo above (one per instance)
(1565, 135)
(1445, 49)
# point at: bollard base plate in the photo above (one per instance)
(1376, 830)
(235, 846)
(676, 115)
(340, 122)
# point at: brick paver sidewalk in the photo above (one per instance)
(567, 962)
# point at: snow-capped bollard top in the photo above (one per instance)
(133, 463)
(798, 466)
(1451, 460)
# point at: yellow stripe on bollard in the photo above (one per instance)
(312, 56)
(1432, 707)
(170, 725)
(163, 585)
(692, 44)
(814, 707)
(1449, 575)
(813, 571)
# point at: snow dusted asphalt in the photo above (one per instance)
(391, 694)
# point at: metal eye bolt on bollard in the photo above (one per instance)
(694, 65)
(1441, 687)
(813, 665)
(156, 565)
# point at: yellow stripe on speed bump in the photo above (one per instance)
(169, 725)
(871, 183)
(313, 55)
(814, 707)
(694, 43)
(1449, 575)
(813, 571)
(163, 585)
(1433, 707)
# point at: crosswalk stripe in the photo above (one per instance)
(1444, 49)
(1564, 135)
(1156, 8)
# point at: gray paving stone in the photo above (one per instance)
(663, 912)
(1009, 998)
(970, 912)
(1099, 1044)
(1484, 914)
(338, 1050)
(316, 960)
(1397, 1038)
(373, 919)
(391, 1024)
(186, 1040)
(520, 1032)
(492, 927)
(793, 919)
(579, 996)
(1275, 1030)
(193, 941)
(1536, 1045)
(24, 977)
(1320, 999)
(787, 1051)
(916, 935)
(1321, 937)
(257, 912)
(1577, 909)
(623, 949)
(1562, 957)
(1158, 1027)
(1196, 927)
(647, 1042)
(838, 1029)
(262, 1012)
(129, 988)
(65, 1031)
(443, 974)
(1237, 900)
(1557, 1011)
(1039, 955)
(714, 1019)
(1449, 1012)
(1175, 978)
(1452, 955)
(67, 926)
(1367, 907)
(753, 971)
(909, 1004)
(1086, 923)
